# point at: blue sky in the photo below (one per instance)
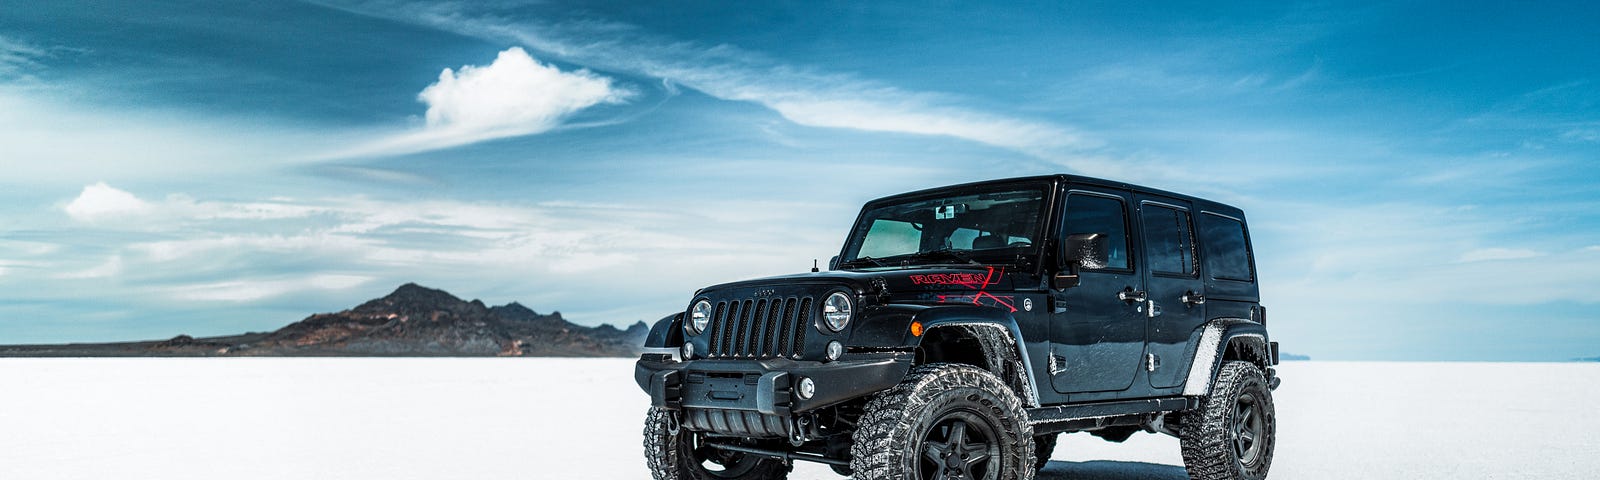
(1421, 177)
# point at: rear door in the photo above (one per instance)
(1175, 307)
(1096, 337)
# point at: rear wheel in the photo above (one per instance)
(676, 454)
(1232, 434)
(944, 421)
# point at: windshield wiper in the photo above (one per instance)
(874, 261)
(950, 253)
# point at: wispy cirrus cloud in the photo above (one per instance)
(802, 95)
(512, 96)
(1497, 254)
(180, 252)
(17, 56)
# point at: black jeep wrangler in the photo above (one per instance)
(961, 328)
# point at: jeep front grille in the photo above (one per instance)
(760, 328)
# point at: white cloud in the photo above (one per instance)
(515, 92)
(111, 268)
(1491, 254)
(252, 290)
(99, 201)
(17, 56)
(1408, 254)
(1585, 135)
(922, 119)
(573, 256)
(515, 95)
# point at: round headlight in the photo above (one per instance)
(699, 317)
(836, 311)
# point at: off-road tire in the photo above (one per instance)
(1043, 447)
(670, 455)
(905, 427)
(1216, 437)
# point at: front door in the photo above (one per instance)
(1175, 308)
(1097, 328)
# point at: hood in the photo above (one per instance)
(896, 280)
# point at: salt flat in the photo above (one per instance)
(296, 418)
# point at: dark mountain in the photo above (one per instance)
(412, 321)
(416, 320)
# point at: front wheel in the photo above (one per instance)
(1231, 435)
(1043, 447)
(675, 454)
(944, 421)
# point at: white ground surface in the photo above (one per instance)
(390, 419)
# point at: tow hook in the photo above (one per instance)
(797, 436)
(673, 426)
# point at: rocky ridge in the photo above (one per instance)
(412, 321)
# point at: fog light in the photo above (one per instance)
(835, 349)
(807, 388)
(688, 351)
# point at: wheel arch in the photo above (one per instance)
(1225, 339)
(666, 333)
(983, 337)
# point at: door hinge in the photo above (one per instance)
(1151, 361)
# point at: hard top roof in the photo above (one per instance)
(1199, 203)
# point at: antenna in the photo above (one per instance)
(814, 266)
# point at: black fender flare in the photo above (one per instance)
(1216, 337)
(666, 333)
(996, 330)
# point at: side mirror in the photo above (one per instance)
(1082, 250)
(833, 263)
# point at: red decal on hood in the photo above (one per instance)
(965, 279)
(975, 281)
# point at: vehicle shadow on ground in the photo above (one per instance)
(1110, 470)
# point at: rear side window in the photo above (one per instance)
(1169, 241)
(1096, 214)
(1227, 254)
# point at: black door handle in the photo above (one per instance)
(1193, 298)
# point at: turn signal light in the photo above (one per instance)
(916, 329)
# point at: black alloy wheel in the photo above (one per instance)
(960, 445)
(1248, 425)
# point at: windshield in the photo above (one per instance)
(960, 229)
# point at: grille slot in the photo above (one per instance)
(760, 328)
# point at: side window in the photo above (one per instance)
(1168, 240)
(1096, 214)
(1227, 253)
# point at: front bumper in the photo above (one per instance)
(766, 386)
